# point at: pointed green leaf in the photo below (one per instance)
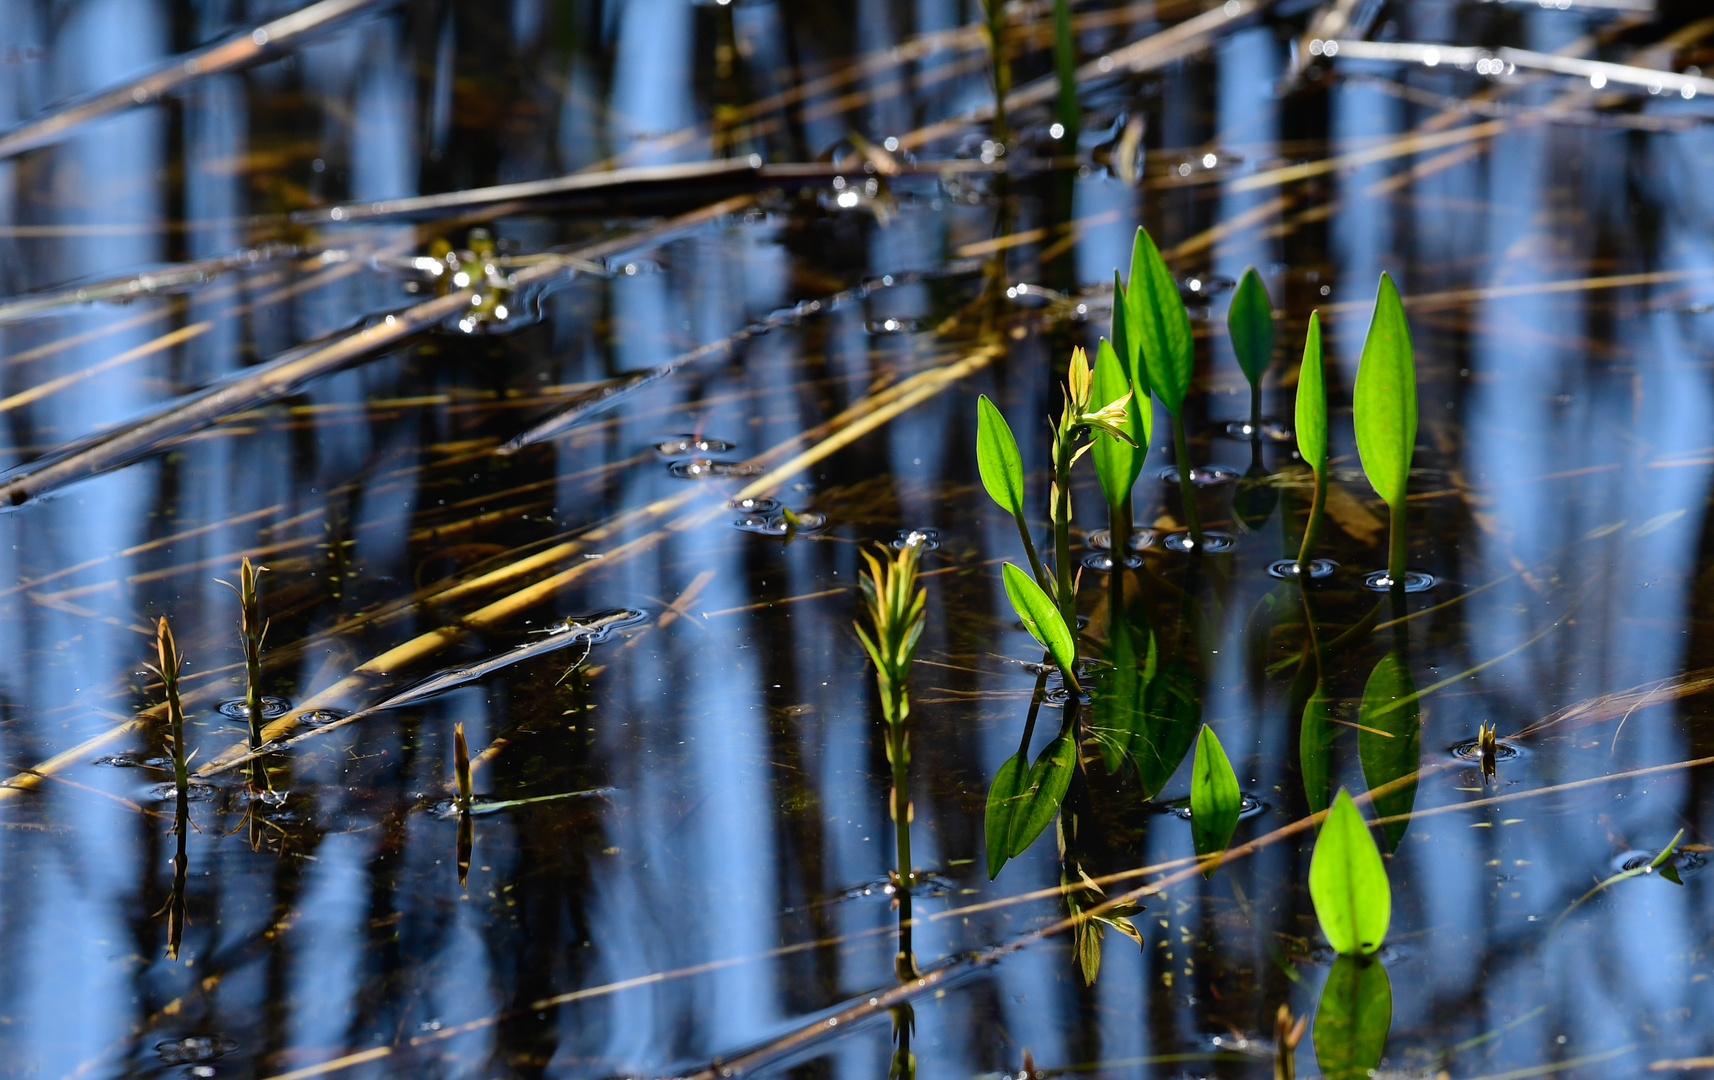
(1125, 346)
(1348, 883)
(1040, 617)
(1117, 464)
(1384, 399)
(1157, 326)
(1315, 750)
(1172, 711)
(1005, 797)
(1352, 1019)
(997, 458)
(1312, 400)
(1049, 778)
(1250, 322)
(1389, 739)
(1214, 797)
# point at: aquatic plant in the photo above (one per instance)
(1119, 462)
(1348, 883)
(1389, 738)
(1384, 413)
(1250, 324)
(1215, 800)
(1661, 863)
(1157, 329)
(1287, 1034)
(252, 629)
(1065, 67)
(897, 609)
(461, 768)
(1487, 751)
(169, 661)
(1311, 424)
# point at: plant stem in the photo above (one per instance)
(1312, 529)
(1192, 520)
(1119, 534)
(1036, 567)
(1256, 413)
(902, 808)
(1396, 554)
(1066, 593)
(1065, 65)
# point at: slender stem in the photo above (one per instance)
(1065, 65)
(1036, 567)
(1036, 699)
(1066, 593)
(1119, 534)
(1312, 530)
(1256, 413)
(1396, 556)
(1192, 520)
(902, 808)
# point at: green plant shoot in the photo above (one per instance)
(1348, 883)
(1118, 462)
(1384, 402)
(1250, 322)
(1158, 328)
(1002, 471)
(1311, 424)
(1215, 800)
(1043, 620)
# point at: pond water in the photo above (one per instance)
(226, 336)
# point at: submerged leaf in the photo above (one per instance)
(1049, 778)
(1348, 883)
(1250, 322)
(1172, 709)
(1384, 399)
(1118, 464)
(997, 458)
(1311, 420)
(1352, 1019)
(1389, 740)
(1214, 798)
(1118, 710)
(1157, 325)
(1315, 750)
(1041, 619)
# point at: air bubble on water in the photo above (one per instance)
(679, 445)
(1102, 540)
(1270, 431)
(1415, 581)
(1213, 542)
(1248, 806)
(238, 709)
(1286, 569)
(321, 717)
(925, 539)
(755, 506)
(134, 761)
(1203, 475)
(1102, 563)
(196, 791)
(707, 468)
(889, 326)
(1471, 750)
(1685, 862)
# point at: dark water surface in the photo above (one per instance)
(689, 857)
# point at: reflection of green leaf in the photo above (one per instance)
(1352, 1019)
(1214, 797)
(1172, 709)
(1117, 711)
(1005, 795)
(1389, 739)
(1312, 401)
(1117, 463)
(1315, 750)
(997, 458)
(1384, 399)
(1254, 500)
(1157, 326)
(1041, 619)
(1049, 778)
(1250, 321)
(1348, 883)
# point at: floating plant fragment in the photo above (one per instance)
(590, 630)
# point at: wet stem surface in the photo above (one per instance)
(676, 854)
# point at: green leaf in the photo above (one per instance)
(1352, 1019)
(1389, 739)
(1250, 322)
(1117, 463)
(1049, 778)
(1384, 399)
(1157, 326)
(1315, 750)
(1214, 798)
(997, 458)
(1125, 346)
(1118, 712)
(1312, 401)
(1347, 882)
(1041, 618)
(1005, 797)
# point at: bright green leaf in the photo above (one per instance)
(1389, 740)
(1157, 325)
(1125, 346)
(1049, 778)
(1005, 797)
(1117, 463)
(1312, 401)
(1384, 399)
(1348, 883)
(997, 458)
(1214, 797)
(1352, 1019)
(1040, 617)
(1250, 322)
